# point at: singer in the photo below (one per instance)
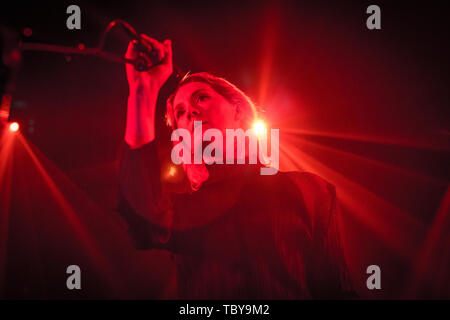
(234, 234)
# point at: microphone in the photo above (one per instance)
(148, 55)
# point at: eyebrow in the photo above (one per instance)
(194, 94)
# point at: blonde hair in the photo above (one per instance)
(223, 87)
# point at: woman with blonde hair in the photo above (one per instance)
(235, 234)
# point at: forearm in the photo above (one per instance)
(140, 125)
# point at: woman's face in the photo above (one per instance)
(198, 101)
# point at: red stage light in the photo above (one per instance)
(259, 127)
(172, 171)
(14, 127)
(15, 56)
(27, 32)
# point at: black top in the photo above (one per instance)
(242, 235)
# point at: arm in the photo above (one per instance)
(144, 89)
(141, 201)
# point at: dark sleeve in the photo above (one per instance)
(327, 271)
(142, 202)
(331, 270)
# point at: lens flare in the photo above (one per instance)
(259, 127)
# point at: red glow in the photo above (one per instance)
(259, 127)
(388, 222)
(432, 253)
(78, 226)
(15, 56)
(320, 81)
(27, 32)
(6, 145)
(269, 41)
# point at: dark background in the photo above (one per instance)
(367, 110)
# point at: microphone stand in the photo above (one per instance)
(97, 52)
(139, 63)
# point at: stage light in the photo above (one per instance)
(27, 32)
(14, 127)
(172, 171)
(259, 127)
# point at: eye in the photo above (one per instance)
(202, 98)
(179, 113)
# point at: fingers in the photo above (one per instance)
(153, 44)
(164, 51)
(132, 51)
